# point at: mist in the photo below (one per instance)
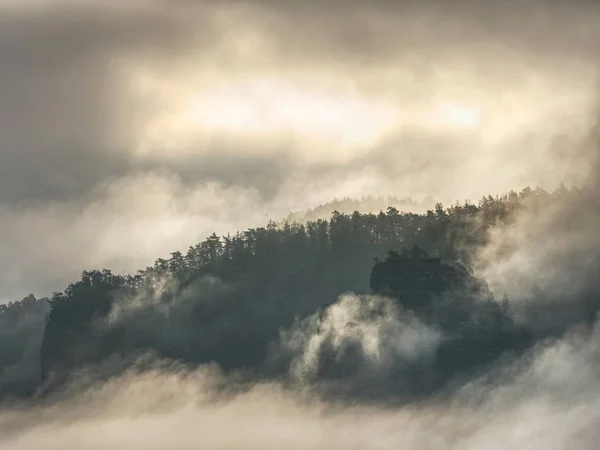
(548, 400)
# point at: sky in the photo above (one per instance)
(132, 129)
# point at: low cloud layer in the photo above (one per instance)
(548, 400)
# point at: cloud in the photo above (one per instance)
(278, 103)
(357, 345)
(148, 214)
(547, 400)
(549, 254)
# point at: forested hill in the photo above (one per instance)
(228, 298)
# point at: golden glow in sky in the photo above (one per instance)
(268, 109)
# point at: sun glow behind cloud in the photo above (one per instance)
(265, 109)
(266, 106)
(316, 122)
(455, 115)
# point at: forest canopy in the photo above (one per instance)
(234, 300)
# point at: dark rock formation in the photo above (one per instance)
(415, 279)
(477, 329)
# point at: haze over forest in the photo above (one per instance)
(283, 224)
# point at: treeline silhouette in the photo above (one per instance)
(228, 298)
(368, 203)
